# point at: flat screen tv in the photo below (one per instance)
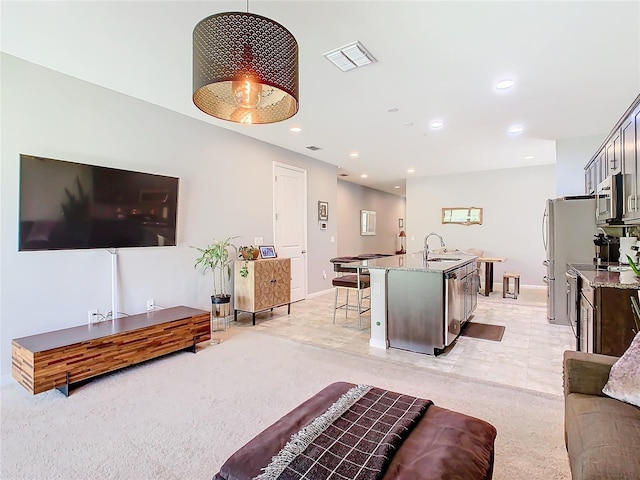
(67, 205)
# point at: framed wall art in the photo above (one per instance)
(323, 210)
(367, 222)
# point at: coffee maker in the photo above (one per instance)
(607, 248)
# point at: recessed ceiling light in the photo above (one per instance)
(436, 124)
(505, 84)
(411, 170)
(515, 130)
(295, 129)
(529, 157)
(397, 186)
(354, 154)
(364, 175)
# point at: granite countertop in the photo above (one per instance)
(602, 277)
(415, 262)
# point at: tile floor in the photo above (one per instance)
(529, 355)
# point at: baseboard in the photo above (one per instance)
(532, 287)
(320, 293)
(378, 343)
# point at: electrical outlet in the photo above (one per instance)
(324, 274)
(258, 241)
(92, 316)
(151, 304)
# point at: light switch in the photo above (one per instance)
(333, 239)
(258, 241)
(413, 238)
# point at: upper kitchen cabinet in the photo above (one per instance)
(590, 176)
(613, 155)
(613, 173)
(630, 150)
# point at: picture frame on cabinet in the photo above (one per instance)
(268, 251)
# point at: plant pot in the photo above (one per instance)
(256, 254)
(220, 311)
(221, 305)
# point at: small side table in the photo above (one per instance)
(488, 272)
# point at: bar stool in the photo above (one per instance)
(516, 285)
(351, 279)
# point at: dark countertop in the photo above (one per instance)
(602, 277)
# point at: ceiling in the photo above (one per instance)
(576, 65)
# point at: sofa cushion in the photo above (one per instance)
(624, 378)
(603, 438)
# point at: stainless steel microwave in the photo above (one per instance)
(609, 199)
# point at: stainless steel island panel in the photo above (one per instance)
(415, 311)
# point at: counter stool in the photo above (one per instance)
(354, 282)
(516, 285)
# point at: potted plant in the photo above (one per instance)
(247, 253)
(217, 258)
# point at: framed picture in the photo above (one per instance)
(323, 210)
(268, 251)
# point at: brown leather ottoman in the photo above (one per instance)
(443, 445)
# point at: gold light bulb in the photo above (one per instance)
(246, 93)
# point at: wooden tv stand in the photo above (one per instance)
(63, 357)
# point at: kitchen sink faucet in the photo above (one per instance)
(426, 243)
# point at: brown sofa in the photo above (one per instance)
(602, 434)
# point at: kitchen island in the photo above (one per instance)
(420, 305)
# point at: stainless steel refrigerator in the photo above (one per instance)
(568, 227)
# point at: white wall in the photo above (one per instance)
(225, 190)
(513, 201)
(388, 207)
(572, 155)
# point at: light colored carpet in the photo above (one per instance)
(181, 416)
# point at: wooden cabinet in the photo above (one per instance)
(607, 323)
(266, 285)
(630, 138)
(620, 153)
(470, 290)
(589, 178)
(595, 172)
(613, 154)
(61, 358)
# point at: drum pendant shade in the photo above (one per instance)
(245, 68)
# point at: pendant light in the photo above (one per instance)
(245, 68)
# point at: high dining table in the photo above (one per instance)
(488, 272)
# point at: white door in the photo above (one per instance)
(290, 223)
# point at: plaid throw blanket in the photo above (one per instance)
(354, 439)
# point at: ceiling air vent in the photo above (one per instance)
(313, 148)
(350, 56)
